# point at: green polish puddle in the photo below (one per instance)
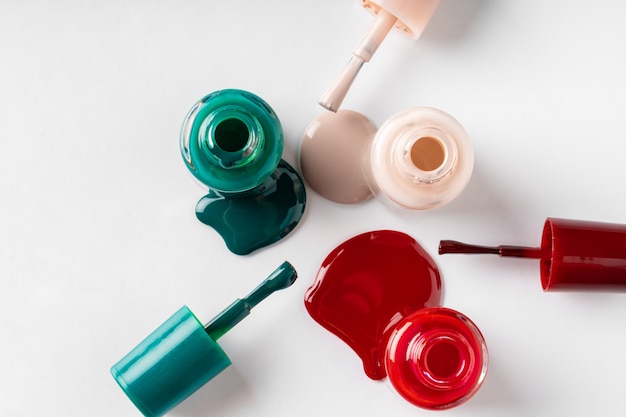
(258, 220)
(232, 142)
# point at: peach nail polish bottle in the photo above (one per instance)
(409, 16)
(420, 158)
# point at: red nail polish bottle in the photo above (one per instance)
(380, 293)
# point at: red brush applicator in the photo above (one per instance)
(574, 254)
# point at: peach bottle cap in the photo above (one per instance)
(410, 16)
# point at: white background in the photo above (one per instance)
(99, 242)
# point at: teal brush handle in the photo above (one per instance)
(281, 278)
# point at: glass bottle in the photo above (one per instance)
(232, 142)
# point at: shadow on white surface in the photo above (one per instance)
(219, 397)
(497, 392)
(483, 209)
(454, 19)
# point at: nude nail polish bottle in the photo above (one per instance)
(419, 159)
(232, 142)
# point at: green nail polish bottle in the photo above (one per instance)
(232, 142)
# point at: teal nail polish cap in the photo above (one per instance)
(182, 355)
(169, 365)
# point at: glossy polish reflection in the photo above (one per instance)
(380, 293)
(232, 142)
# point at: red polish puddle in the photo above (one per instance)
(367, 285)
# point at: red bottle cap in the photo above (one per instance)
(574, 254)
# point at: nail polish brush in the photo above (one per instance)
(182, 355)
(574, 254)
(410, 16)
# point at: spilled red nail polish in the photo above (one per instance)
(369, 283)
(379, 292)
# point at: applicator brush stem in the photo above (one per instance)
(362, 53)
(281, 278)
(452, 246)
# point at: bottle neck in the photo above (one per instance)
(425, 155)
(231, 137)
(442, 359)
